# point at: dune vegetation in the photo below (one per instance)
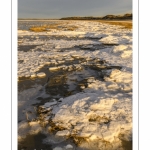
(58, 26)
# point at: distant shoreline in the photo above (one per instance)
(107, 17)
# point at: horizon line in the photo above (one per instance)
(69, 17)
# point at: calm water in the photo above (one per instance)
(25, 25)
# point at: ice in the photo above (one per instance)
(53, 68)
(120, 48)
(33, 75)
(27, 75)
(123, 50)
(114, 40)
(61, 62)
(97, 113)
(69, 147)
(126, 54)
(41, 74)
(35, 127)
(48, 104)
(31, 128)
(58, 148)
(100, 111)
(82, 87)
(63, 133)
(103, 104)
(103, 110)
(120, 76)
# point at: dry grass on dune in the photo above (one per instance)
(59, 26)
(37, 29)
(65, 26)
(124, 24)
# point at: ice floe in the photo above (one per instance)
(102, 112)
(41, 74)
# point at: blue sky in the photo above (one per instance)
(67, 8)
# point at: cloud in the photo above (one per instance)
(62, 8)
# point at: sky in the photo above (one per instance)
(68, 8)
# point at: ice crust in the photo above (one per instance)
(99, 112)
(34, 60)
(24, 127)
(103, 111)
